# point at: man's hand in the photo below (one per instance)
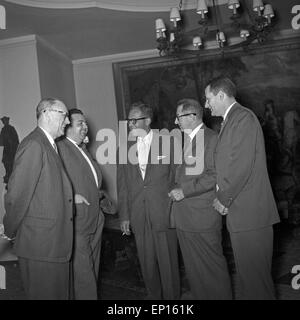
(125, 227)
(219, 207)
(176, 194)
(80, 199)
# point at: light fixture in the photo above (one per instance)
(247, 24)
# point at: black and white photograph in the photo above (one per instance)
(150, 152)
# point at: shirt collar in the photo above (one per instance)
(227, 111)
(48, 136)
(195, 131)
(148, 138)
(71, 140)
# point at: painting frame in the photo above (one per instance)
(121, 70)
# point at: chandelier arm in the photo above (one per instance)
(254, 27)
(216, 14)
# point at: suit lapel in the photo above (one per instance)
(94, 164)
(227, 118)
(135, 167)
(49, 147)
(83, 161)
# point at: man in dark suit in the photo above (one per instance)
(39, 207)
(198, 225)
(86, 177)
(244, 192)
(143, 206)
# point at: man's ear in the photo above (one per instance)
(221, 95)
(148, 121)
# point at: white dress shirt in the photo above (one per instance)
(195, 131)
(143, 148)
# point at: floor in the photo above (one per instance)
(120, 275)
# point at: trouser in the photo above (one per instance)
(253, 261)
(46, 280)
(158, 257)
(205, 265)
(86, 260)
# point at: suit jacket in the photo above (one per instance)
(195, 212)
(39, 202)
(242, 176)
(83, 183)
(138, 198)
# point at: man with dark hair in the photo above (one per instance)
(143, 208)
(9, 140)
(85, 175)
(39, 207)
(197, 224)
(244, 192)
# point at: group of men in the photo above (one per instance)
(161, 202)
(53, 207)
(53, 203)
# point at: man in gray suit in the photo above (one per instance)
(143, 208)
(85, 175)
(198, 225)
(39, 207)
(244, 194)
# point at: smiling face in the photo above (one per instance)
(78, 129)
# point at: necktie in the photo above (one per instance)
(222, 125)
(187, 151)
(55, 147)
(142, 156)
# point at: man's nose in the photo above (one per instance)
(67, 121)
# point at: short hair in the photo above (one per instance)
(224, 84)
(145, 109)
(74, 111)
(191, 105)
(44, 104)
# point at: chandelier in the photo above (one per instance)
(246, 25)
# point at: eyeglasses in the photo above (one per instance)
(184, 115)
(65, 114)
(134, 120)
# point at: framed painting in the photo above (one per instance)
(264, 75)
(261, 73)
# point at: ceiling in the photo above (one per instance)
(84, 28)
(127, 5)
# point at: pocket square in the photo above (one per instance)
(161, 157)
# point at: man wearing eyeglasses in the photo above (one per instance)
(143, 208)
(198, 225)
(39, 207)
